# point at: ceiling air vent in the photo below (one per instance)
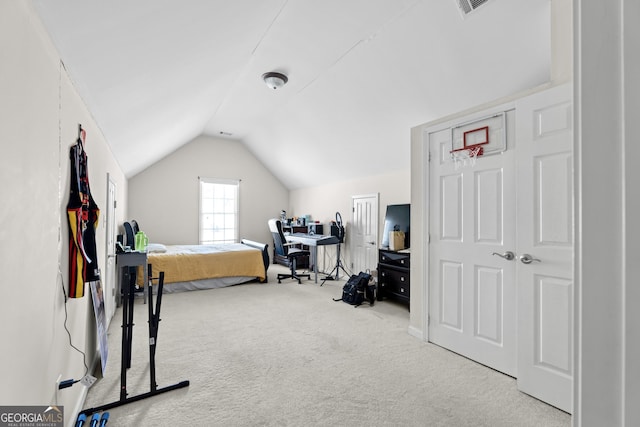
(468, 6)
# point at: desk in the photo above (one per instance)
(313, 241)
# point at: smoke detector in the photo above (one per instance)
(468, 6)
(274, 79)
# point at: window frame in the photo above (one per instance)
(218, 181)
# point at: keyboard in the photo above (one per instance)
(320, 239)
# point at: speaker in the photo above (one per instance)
(338, 231)
(314, 228)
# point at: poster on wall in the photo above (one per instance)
(101, 321)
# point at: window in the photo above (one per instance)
(218, 211)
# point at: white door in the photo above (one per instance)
(545, 232)
(472, 289)
(537, 225)
(364, 233)
(110, 270)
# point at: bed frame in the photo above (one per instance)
(265, 254)
(131, 227)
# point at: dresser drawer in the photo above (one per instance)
(396, 259)
(393, 281)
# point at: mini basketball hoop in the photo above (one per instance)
(472, 146)
(466, 156)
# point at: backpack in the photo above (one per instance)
(357, 289)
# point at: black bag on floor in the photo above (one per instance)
(357, 290)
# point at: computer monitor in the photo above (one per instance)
(397, 216)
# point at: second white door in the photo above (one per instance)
(364, 232)
(545, 246)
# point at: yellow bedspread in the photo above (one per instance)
(183, 263)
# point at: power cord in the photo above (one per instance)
(66, 383)
(70, 382)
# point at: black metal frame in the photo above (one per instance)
(337, 268)
(293, 256)
(127, 335)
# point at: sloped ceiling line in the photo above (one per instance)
(273, 21)
(362, 73)
(372, 36)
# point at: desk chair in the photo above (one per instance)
(284, 248)
(129, 235)
(130, 241)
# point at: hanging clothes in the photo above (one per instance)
(83, 214)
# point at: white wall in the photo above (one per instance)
(631, 88)
(607, 62)
(322, 203)
(561, 41)
(164, 197)
(39, 115)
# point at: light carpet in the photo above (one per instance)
(288, 355)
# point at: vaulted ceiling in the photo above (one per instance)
(157, 73)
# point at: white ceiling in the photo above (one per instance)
(157, 73)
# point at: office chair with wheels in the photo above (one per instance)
(286, 249)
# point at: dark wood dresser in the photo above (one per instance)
(393, 275)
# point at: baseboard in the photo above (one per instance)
(82, 397)
(78, 407)
(415, 332)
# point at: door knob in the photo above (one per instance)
(508, 255)
(528, 259)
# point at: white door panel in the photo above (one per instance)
(472, 291)
(364, 233)
(545, 224)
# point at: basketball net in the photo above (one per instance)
(466, 157)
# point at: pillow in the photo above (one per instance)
(156, 248)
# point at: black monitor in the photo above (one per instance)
(397, 216)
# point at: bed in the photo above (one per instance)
(192, 267)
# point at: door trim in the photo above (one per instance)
(110, 216)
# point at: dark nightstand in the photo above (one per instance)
(393, 275)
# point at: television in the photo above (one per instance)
(398, 217)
